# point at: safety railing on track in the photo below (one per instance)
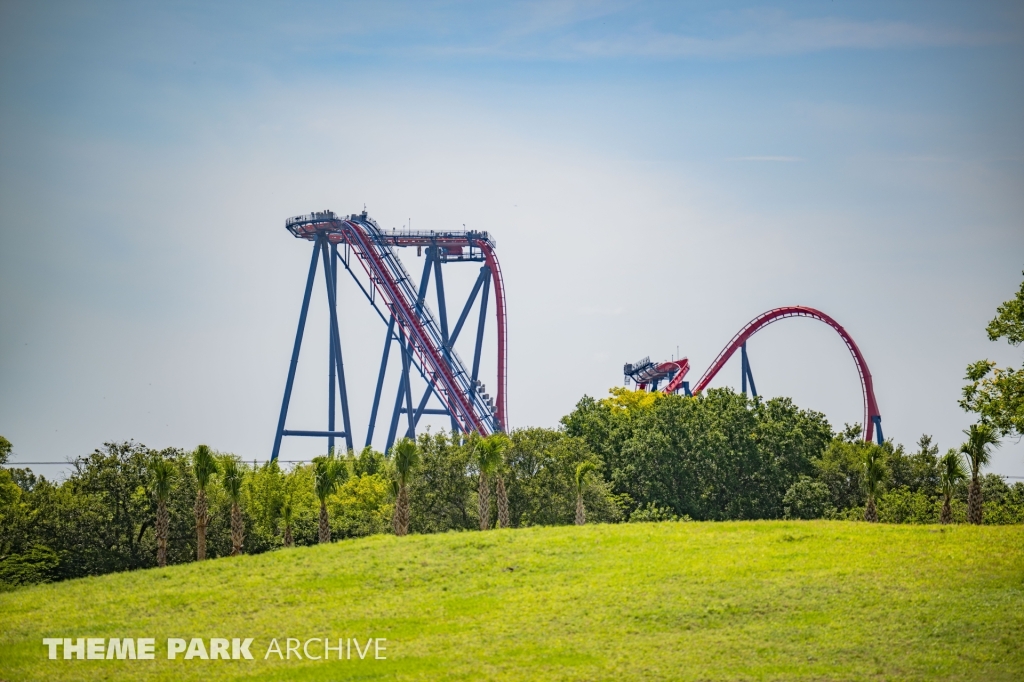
(460, 396)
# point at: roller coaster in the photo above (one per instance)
(647, 375)
(425, 341)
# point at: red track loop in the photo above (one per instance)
(764, 319)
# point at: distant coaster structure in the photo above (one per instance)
(425, 341)
(647, 375)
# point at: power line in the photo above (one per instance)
(305, 461)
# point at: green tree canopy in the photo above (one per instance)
(5, 450)
(997, 394)
(1009, 320)
(720, 455)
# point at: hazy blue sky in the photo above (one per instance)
(655, 174)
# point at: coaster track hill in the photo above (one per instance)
(647, 375)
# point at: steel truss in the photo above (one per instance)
(425, 343)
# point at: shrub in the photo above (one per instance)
(653, 513)
(903, 505)
(37, 565)
(807, 499)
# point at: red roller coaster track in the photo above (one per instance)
(679, 368)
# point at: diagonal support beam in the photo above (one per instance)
(485, 275)
(480, 330)
(380, 380)
(295, 350)
(404, 392)
(745, 370)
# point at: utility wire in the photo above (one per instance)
(304, 461)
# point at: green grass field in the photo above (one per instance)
(675, 601)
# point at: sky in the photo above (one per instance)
(655, 175)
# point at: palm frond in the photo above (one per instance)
(407, 458)
(951, 471)
(204, 465)
(582, 469)
(489, 452)
(328, 474)
(232, 479)
(981, 438)
(874, 468)
(287, 511)
(163, 478)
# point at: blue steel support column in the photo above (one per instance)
(331, 276)
(404, 382)
(485, 274)
(442, 311)
(878, 428)
(407, 359)
(403, 392)
(480, 329)
(295, 350)
(747, 374)
(424, 280)
(380, 381)
(332, 282)
(397, 412)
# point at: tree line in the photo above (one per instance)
(629, 457)
(632, 456)
(126, 506)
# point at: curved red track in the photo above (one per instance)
(765, 319)
(458, 241)
(499, 309)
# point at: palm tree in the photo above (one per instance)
(407, 457)
(232, 480)
(582, 469)
(497, 444)
(981, 438)
(951, 472)
(874, 472)
(163, 475)
(287, 516)
(204, 466)
(488, 457)
(328, 474)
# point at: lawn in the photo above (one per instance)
(676, 601)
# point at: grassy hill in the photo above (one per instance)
(737, 600)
